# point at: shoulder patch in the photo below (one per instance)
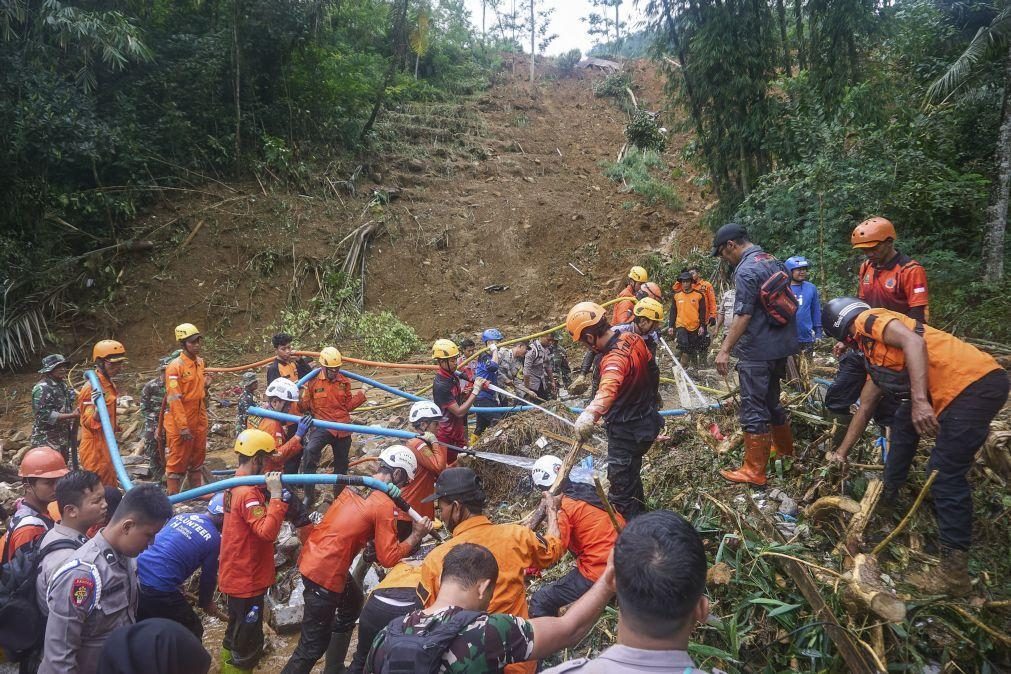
(82, 593)
(258, 511)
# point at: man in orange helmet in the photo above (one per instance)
(888, 279)
(185, 411)
(109, 356)
(40, 468)
(626, 398)
(328, 397)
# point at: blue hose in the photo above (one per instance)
(333, 425)
(302, 382)
(290, 480)
(823, 382)
(108, 431)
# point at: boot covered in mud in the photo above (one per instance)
(756, 454)
(782, 440)
(950, 577)
(336, 652)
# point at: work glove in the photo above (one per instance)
(304, 424)
(95, 396)
(480, 383)
(429, 438)
(392, 490)
(584, 425)
(579, 385)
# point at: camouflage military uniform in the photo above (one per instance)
(246, 400)
(487, 644)
(151, 397)
(49, 398)
(560, 366)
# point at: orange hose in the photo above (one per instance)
(361, 461)
(314, 354)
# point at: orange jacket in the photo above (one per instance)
(285, 449)
(952, 365)
(690, 309)
(92, 450)
(514, 547)
(246, 562)
(350, 522)
(623, 310)
(330, 400)
(431, 463)
(629, 379)
(707, 290)
(588, 534)
(404, 574)
(185, 392)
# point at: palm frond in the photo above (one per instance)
(22, 326)
(982, 45)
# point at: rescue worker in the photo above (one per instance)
(888, 279)
(946, 388)
(53, 408)
(586, 531)
(457, 633)
(622, 312)
(704, 287)
(460, 499)
(487, 368)
(725, 318)
(465, 364)
(538, 377)
(510, 368)
(246, 400)
(185, 416)
(647, 323)
(109, 356)
(187, 542)
(80, 498)
(246, 561)
(39, 471)
(430, 454)
(808, 304)
(328, 397)
(761, 346)
(286, 364)
(688, 316)
(449, 394)
(626, 399)
(96, 590)
(651, 290)
(561, 373)
(152, 397)
(350, 522)
(282, 396)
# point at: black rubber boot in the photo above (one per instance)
(336, 652)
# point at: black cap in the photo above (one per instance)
(685, 276)
(726, 233)
(457, 484)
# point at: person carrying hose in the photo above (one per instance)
(449, 393)
(626, 399)
(282, 396)
(350, 522)
(487, 368)
(246, 562)
(109, 356)
(430, 455)
(945, 388)
(622, 312)
(328, 397)
(647, 323)
(185, 416)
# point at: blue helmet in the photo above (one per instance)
(491, 335)
(796, 262)
(217, 504)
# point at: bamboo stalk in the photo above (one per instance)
(909, 515)
(607, 503)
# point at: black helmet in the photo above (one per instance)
(837, 314)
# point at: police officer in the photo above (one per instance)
(151, 398)
(53, 406)
(96, 591)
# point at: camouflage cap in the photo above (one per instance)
(52, 361)
(557, 335)
(248, 378)
(164, 362)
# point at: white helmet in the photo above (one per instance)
(424, 409)
(282, 388)
(545, 470)
(398, 456)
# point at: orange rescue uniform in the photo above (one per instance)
(898, 285)
(690, 309)
(330, 400)
(952, 365)
(185, 409)
(92, 450)
(707, 290)
(431, 463)
(623, 309)
(286, 449)
(350, 522)
(588, 534)
(404, 574)
(246, 567)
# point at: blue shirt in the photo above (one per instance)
(186, 543)
(487, 369)
(808, 312)
(764, 339)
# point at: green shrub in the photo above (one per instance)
(634, 171)
(613, 85)
(643, 131)
(567, 61)
(385, 337)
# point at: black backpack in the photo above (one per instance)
(422, 653)
(22, 624)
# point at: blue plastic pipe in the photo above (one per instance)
(823, 382)
(333, 425)
(108, 431)
(289, 480)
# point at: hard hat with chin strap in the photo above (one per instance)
(873, 231)
(185, 331)
(109, 350)
(638, 274)
(43, 462)
(252, 441)
(424, 410)
(330, 357)
(398, 456)
(445, 348)
(649, 308)
(582, 316)
(545, 470)
(796, 262)
(283, 388)
(838, 314)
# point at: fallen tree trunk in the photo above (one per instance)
(865, 591)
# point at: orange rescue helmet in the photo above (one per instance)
(872, 231)
(582, 316)
(109, 350)
(43, 462)
(652, 290)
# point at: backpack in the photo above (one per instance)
(422, 653)
(777, 299)
(22, 624)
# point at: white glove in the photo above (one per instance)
(493, 346)
(584, 425)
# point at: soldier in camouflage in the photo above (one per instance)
(559, 362)
(246, 400)
(53, 406)
(151, 398)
